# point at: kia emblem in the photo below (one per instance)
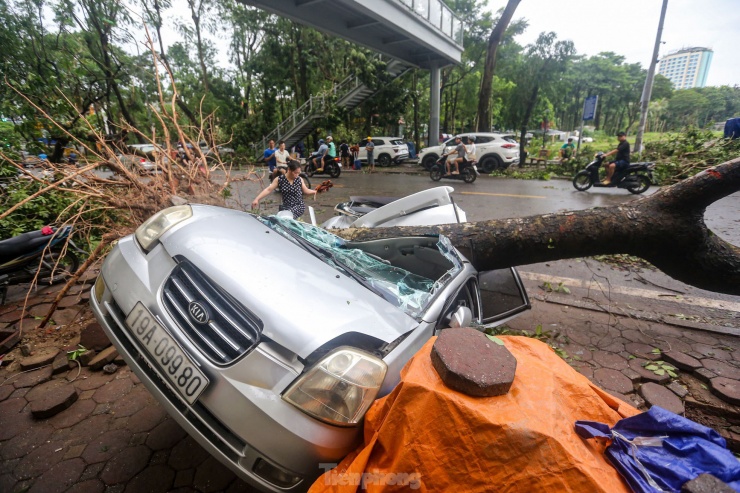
(198, 312)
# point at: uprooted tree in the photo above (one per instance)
(667, 229)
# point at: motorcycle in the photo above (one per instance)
(467, 172)
(332, 167)
(637, 178)
(38, 255)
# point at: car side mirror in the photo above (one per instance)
(461, 318)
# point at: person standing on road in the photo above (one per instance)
(331, 153)
(269, 155)
(370, 148)
(621, 162)
(291, 187)
(344, 153)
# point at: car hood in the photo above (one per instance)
(261, 269)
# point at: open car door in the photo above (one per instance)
(502, 295)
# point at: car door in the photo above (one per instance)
(502, 295)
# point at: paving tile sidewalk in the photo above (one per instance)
(114, 437)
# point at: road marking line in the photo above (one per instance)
(638, 292)
(505, 195)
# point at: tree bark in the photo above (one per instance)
(667, 229)
(483, 116)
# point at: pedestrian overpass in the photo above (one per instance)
(417, 33)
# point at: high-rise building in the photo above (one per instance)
(687, 67)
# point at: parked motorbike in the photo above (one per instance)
(331, 167)
(467, 172)
(37, 255)
(637, 178)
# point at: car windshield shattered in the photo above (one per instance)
(408, 291)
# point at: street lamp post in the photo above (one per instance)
(648, 87)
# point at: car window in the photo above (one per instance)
(483, 139)
(502, 294)
(397, 142)
(510, 139)
(378, 142)
(450, 142)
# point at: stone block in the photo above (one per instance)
(677, 389)
(103, 358)
(613, 380)
(60, 364)
(86, 357)
(471, 363)
(682, 361)
(41, 358)
(706, 483)
(704, 375)
(657, 395)
(56, 401)
(726, 389)
(93, 337)
(632, 375)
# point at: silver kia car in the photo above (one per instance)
(268, 339)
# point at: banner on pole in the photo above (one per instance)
(589, 108)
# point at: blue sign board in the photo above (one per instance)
(589, 108)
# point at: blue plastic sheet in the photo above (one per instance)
(659, 451)
(732, 128)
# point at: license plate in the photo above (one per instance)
(171, 361)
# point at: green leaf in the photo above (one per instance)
(672, 374)
(652, 367)
(656, 351)
(659, 372)
(703, 386)
(668, 367)
(631, 356)
(495, 339)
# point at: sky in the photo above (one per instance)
(629, 27)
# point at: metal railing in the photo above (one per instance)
(315, 107)
(438, 15)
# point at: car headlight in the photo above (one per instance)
(153, 228)
(340, 388)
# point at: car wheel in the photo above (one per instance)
(384, 160)
(582, 181)
(469, 175)
(435, 174)
(491, 163)
(334, 170)
(429, 161)
(641, 184)
(57, 267)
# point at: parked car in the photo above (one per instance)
(137, 164)
(267, 339)
(388, 150)
(586, 140)
(494, 151)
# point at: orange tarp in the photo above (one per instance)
(426, 437)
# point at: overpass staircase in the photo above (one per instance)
(347, 94)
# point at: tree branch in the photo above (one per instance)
(666, 229)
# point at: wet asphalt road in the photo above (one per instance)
(487, 198)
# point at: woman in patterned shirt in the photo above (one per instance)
(292, 187)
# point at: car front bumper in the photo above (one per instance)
(240, 418)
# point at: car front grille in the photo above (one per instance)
(230, 330)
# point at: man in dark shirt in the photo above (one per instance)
(622, 161)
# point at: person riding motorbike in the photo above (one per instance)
(282, 157)
(460, 151)
(331, 153)
(622, 161)
(317, 158)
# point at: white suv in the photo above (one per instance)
(494, 151)
(388, 150)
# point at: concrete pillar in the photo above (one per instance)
(433, 137)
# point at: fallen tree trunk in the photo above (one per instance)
(667, 229)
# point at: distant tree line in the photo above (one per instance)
(86, 64)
